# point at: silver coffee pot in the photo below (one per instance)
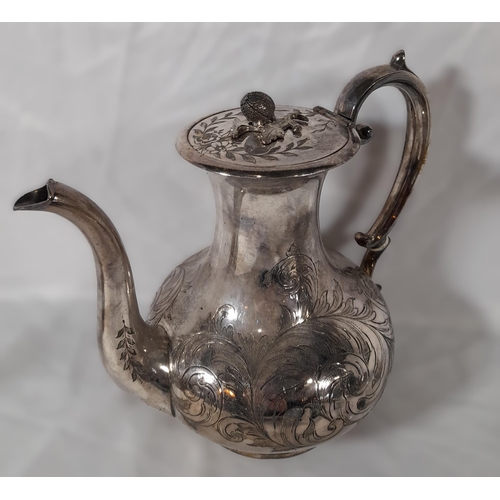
(264, 342)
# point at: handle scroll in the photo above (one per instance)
(395, 74)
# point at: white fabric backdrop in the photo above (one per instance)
(99, 106)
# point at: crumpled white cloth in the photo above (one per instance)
(99, 106)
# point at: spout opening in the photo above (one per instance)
(36, 199)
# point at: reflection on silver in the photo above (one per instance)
(264, 342)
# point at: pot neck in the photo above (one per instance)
(259, 219)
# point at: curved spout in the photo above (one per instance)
(135, 354)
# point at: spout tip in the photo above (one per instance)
(37, 199)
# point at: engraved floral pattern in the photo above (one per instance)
(214, 138)
(172, 285)
(357, 280)
(322, 371)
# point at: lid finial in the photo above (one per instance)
(258, 108)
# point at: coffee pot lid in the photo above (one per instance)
(262, 139)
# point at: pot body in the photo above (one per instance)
(277, 345)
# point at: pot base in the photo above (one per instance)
(286, 454)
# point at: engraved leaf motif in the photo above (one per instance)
(322, 307)
(330, 350)
(296, 276)
(249, 158)
(128, 352)
(166, 295)
(210, 139)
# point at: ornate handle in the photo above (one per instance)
(395, 74)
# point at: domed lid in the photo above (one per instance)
(260, 138)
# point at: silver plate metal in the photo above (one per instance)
(321, 144)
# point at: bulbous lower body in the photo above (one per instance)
(271, 362)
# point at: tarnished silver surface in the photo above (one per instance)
(418, 130)
(262, 342)
(322, 143)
